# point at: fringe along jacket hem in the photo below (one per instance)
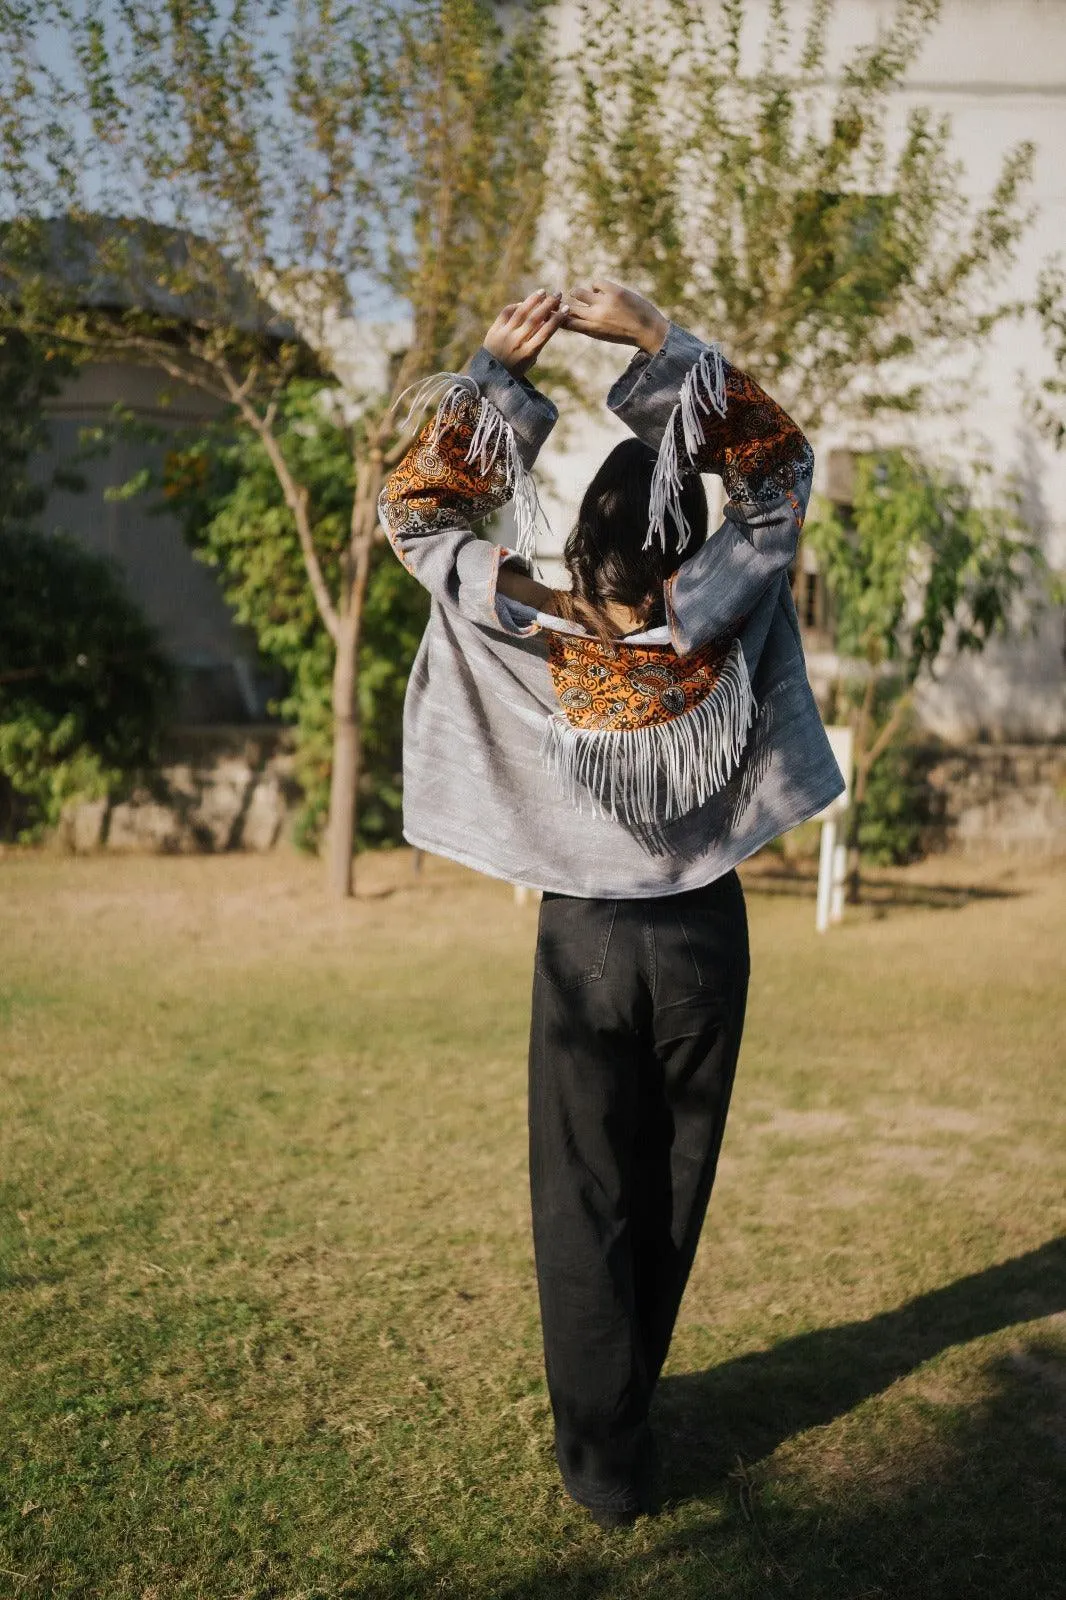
(649, 765)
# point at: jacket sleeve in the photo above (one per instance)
(705, 415)
(472, 458)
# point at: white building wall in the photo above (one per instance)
(998, 69)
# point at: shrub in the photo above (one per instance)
(226, 493)
(897, 808)
(84, 687)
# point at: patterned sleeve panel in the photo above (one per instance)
(466, 463)
(430, 503)
(766, 465)
(756, 448)
(708, 416)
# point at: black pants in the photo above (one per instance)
(638, 1009)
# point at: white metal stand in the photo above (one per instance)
(825, 874)
(840, 873)
(832, 871)
(833, 856)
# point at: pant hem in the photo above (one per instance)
(625, 1504)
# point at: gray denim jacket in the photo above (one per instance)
(649, 766)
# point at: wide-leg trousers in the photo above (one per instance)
(638, 1010)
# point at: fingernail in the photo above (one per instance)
(565, 310)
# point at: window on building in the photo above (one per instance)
(812, 609)
(812, 603)
(809, 590)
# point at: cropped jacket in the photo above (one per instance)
(646, 765)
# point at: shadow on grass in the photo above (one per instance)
(877, 893)
(923, 1498)
(964, 1506)
(956, 1502)
(747, 1407)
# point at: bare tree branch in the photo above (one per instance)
(297, 500)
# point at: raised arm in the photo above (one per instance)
(702, 414)
(474, 456)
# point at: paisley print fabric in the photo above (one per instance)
(756, 447)
(622, 687)
(434, 479)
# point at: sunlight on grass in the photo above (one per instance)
(268, 1319)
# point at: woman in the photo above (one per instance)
(621, 745)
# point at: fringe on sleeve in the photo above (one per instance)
(493, 442)
(702, 393)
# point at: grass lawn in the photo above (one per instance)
(268, 1321)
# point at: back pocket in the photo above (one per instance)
(573, 939)
(714, 926)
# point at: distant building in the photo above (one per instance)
(998, 70)
(220, 679)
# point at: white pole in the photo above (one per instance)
(825, 873)
(840, 872)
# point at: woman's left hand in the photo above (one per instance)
(521, 330)
(617, 315)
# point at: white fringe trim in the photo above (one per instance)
(660, 772)
(493, 438)
(702, 392)
(760, 757)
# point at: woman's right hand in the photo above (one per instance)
(523, 328)
(617, 315)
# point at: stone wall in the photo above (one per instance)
(999, 797)
(217, 789)
(232, 789)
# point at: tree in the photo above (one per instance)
(929, 567)
(1047, 403)
(768, 203)
(223, 488)
(768, 209)
(30, 374)
(222, 179)
(84, 687)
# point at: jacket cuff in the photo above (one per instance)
(531, 414)
(648, 390)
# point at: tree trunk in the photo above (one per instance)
(347, 754)
(347, 730)
(862, 762)
(854, 869)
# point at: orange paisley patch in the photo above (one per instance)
(435, 474)
(623, 687)
(757, 448)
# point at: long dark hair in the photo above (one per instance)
(605, 553)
